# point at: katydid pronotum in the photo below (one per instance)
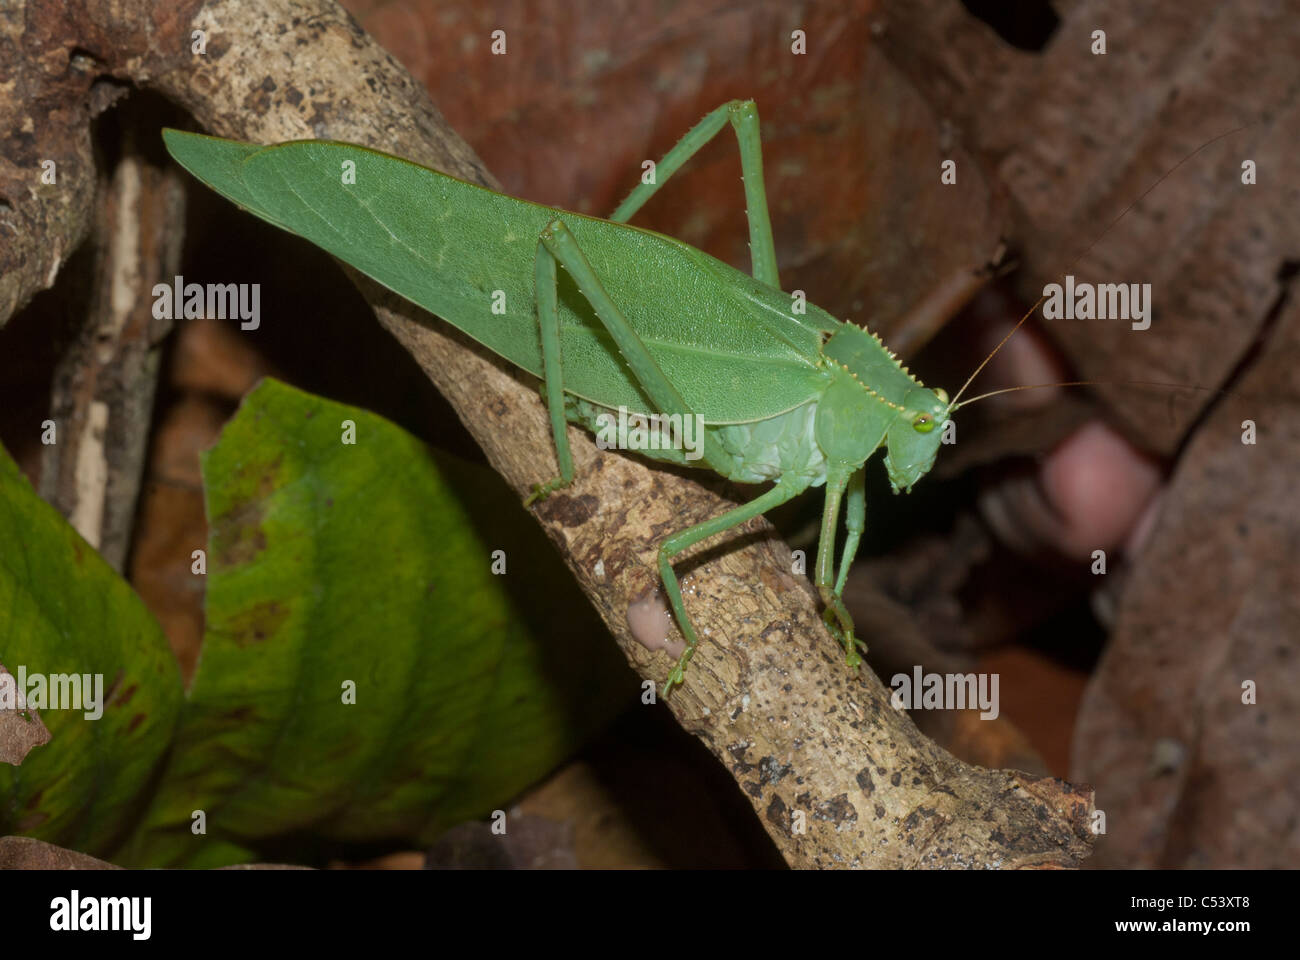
(636, 321)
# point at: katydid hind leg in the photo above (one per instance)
(836, 615)
(743, 116)
(785, 489)
(552, 371)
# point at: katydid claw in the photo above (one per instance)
(847, 640)
(674, 678)
(543, 490)
(679, 670)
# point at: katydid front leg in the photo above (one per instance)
(855, 522)
(836, 615)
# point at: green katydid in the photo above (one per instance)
(637, 320)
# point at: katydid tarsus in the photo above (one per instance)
(635, 320)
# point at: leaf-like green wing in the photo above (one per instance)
(65, 613)
(365, 675)
(467, 254)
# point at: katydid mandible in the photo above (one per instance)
(636, 320)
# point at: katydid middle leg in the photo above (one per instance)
(743, 115)
(787, 488)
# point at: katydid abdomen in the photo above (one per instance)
(760, 450)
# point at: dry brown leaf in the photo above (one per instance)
(1188, 773)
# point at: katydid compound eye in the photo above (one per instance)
(923, 423)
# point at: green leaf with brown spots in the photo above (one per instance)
(65, 614)
(363, 571)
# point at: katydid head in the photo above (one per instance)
(913, 438)
(873, 401)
